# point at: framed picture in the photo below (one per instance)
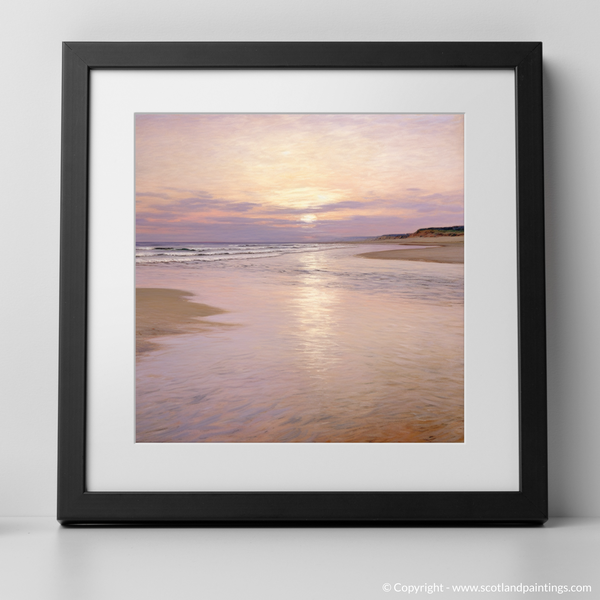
(302, 283)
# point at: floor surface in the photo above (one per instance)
(41, 560)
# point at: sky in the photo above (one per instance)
(296, 177)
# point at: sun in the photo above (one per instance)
(308, 218)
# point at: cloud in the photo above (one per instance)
(198, 193)
(344, 205)
(203, 204)
(443, 198)
(157, 219)
(439, 209)
(151, 195)
(317, 208)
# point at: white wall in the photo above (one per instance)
(31, 32)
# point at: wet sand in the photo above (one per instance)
(161, 311)
(326, 348)
(454, 254)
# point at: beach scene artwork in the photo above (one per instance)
(299, 278)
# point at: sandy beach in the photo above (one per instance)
(449, 240)
(161, 311)
(453, 252)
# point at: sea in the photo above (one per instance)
(317, 345)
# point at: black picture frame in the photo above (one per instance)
(76, 505)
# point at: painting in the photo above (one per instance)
(282, 338)
(299, 278)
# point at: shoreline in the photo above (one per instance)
(440, 253)
(165, 311)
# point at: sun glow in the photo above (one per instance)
(308, 218)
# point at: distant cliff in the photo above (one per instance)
(456, 230)
(392, 236)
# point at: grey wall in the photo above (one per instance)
(31, 32)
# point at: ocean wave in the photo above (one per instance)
(203, 253)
